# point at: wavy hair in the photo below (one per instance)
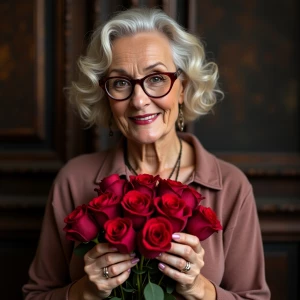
(201, 77)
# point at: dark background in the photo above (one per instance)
(256, 127)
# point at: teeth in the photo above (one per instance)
(146, 118)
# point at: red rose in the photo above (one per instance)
(104, 207)
(138, 207)
(114, 184)
(174, 209)
(168, 186)
(144, 183)
(191, 197)
(188, 194)
(120, 234)
(80, 226)
(203, 223)
(155, 237)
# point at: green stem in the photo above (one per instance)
(161, 279)
(122, 292)
(147, 262)
(140, 277)
(138, 283)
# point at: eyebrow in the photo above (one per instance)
(122, 71)
(154, 65)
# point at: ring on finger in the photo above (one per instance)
(105, 273)
(187, 267)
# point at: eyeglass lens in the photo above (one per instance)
(156, 85)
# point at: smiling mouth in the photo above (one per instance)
(145, 118)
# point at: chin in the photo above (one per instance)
(145, 138)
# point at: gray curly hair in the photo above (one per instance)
(201, 89)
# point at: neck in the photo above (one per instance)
(159, 158)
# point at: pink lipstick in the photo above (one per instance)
(144, 119)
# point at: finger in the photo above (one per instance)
(175, 274)
(183, 251)
(117, 269)
(188, 239)
(173, 261)
(117, 281)
(96, 266)
(98, 250)
(104, 284)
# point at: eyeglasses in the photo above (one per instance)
(156, 85)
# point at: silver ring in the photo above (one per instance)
(187, 267)
(105, 273)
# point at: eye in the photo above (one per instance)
(120, 83)
(157, 78)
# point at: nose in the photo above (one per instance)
(139, 98)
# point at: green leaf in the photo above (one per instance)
(169, 297)
(170, 285)
(129, 290)
(129, 285)
(83, 248)
(138, 271)
(153, 291)
(115, 298)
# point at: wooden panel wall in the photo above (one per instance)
(256, 127)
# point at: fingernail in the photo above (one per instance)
(113, 249)
(175, 236)
(158, 255)
(134, 261)
(129, 270)
(161, 266)
(132, 254)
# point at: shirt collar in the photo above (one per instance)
(207, 172)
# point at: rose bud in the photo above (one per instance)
(120, 234)
(80, 226)
(203, 223)
(155, 237)
(104, 207)
(174, 209)
(114, 184)
(137, 207)
(144, 183)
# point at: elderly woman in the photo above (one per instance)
(144, 75)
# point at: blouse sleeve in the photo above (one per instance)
(244, 274)
(49, 271)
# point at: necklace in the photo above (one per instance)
(176, 166)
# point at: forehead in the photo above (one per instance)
(142, 49)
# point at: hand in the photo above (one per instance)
(190, 284)
(96, 285)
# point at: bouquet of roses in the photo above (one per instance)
(141, 215)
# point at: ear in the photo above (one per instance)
(181, 91)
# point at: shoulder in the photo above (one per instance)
(83, 166)
(213, 172)
(232, 175)
(76, 182)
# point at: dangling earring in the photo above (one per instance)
(180, 120)
(110, 133)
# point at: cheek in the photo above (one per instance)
(118, 109)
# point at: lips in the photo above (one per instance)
(144, 119)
